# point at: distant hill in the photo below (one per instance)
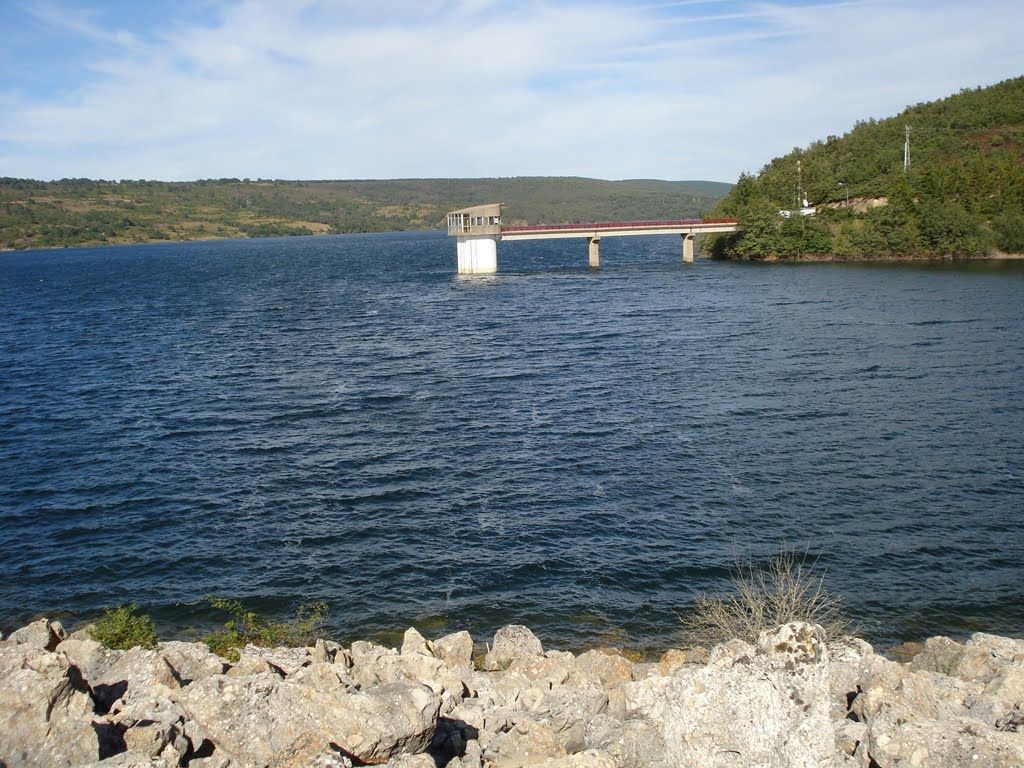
(85, 211)
(962, 196)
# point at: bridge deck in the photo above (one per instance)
(618, 228)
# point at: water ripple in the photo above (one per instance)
(342, 418)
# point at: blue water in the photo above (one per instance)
(343, 418)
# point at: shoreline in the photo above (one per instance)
(790, 698)
(995, 256)
(891, 259)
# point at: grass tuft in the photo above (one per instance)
(245, 627)
(122, 628)
(765, 596)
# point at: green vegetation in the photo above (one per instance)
(82, 211)
(962, 196)
(123, 628)
(246, 627)
(766, 595)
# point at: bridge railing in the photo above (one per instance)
(617, 225)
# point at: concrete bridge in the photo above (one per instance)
(478, 230)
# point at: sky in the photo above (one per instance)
(347, 89)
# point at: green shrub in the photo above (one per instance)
(245, 627)
(123, 628)
(765, 596)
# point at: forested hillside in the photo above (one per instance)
(83, 211)
(962, 196)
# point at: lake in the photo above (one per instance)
(343, 418)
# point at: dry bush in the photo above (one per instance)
(765, 596)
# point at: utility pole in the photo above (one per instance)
(906, 148)
(799, 184)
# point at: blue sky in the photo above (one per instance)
(684, 89)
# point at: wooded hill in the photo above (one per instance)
(84, 212)
(962, 196)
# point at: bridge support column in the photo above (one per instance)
(477, 255)
(594, 252)
(688, 248)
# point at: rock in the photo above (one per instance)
(113, 675)
(250, 665)
(263, 720)
(325, 676)
(456, 650)
(325, 650)
(90, 657)
(527, 743)
(767, 704)
(601, 669)
(552, 669)
(411, 668)
(326, 759)
(512, 643)
(414, 642)
(154, 727)
(849, 735)
(1003, 695)
(890, 691)
(365, 654)
(904, 652)
(284, 660)
(472, 758)
(940, 744)
(136, 760)
(674, 658)
(411, 761)
(43, 634)
(981, 658)
(192, 661)
(582, 760)
(940, 654)
(45, 712)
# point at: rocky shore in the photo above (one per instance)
(791, 699)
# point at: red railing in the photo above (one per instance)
(616, 225)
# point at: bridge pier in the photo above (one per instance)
(687, 247)
(477, 255)
(594, 252)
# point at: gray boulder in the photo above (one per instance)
(526, 744)
(155, 727)
(192, 661)
(456, 650)
(414, 642)
(601, 669)
(284, 660)
(136, 760)
(981, 658)
(931, 743)
(127, 674)
(43, 634)
(411, 761)
(263, 720)
(512, 643)
(763, 705)
(46, 715)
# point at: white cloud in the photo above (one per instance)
(313, 89)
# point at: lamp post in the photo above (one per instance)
(847, 192)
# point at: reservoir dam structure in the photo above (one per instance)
(478, 229)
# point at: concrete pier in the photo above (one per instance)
(688, 248)
(594, 252)
(477, 255)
